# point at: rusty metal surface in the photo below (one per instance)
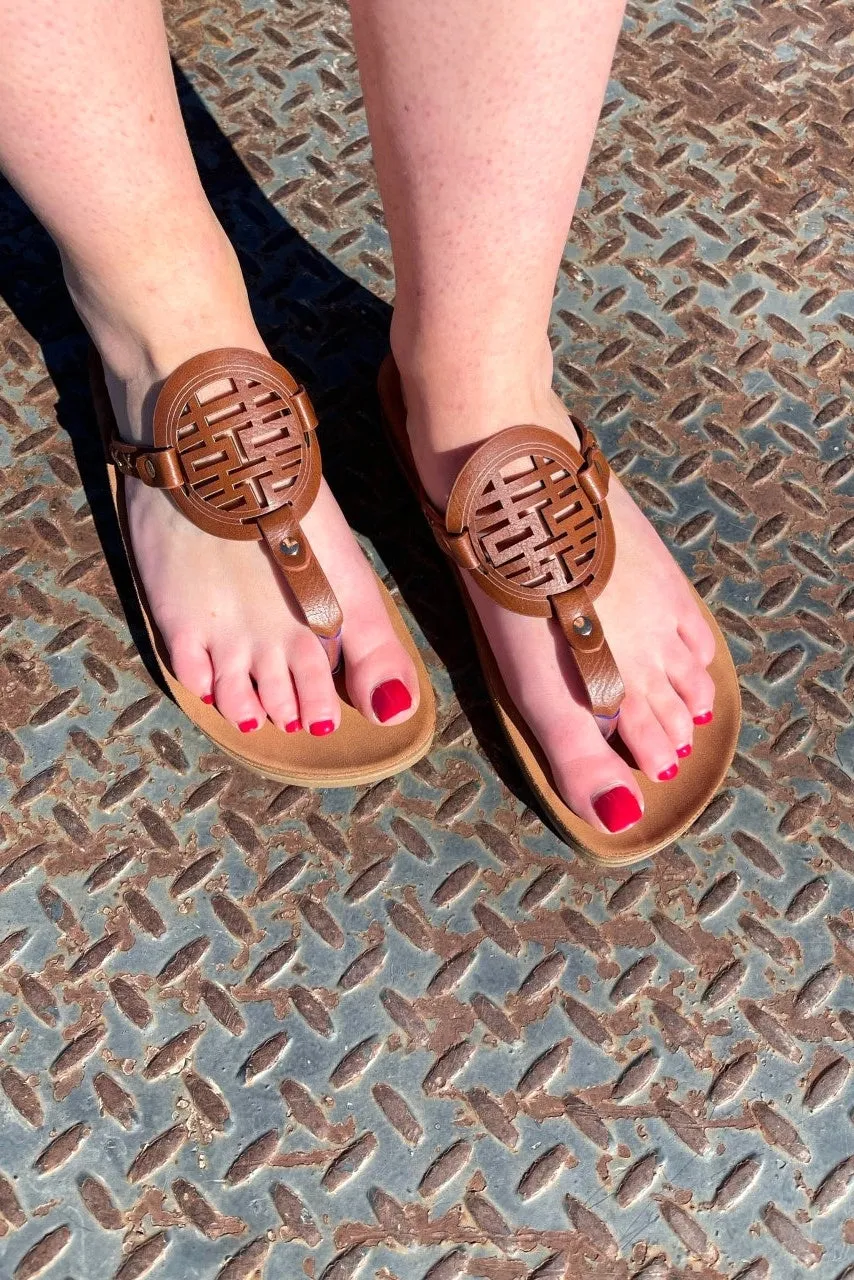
(401, 1033)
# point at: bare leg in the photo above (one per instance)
(91, 135)
(482, 116)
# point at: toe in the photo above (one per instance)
(593, 780)
(697, 636)
(672, 714)
(646, 738)
(545, 687)
(234, 692)
(381, 679)
(692, 683)
(319, 708)
(391, 702)
(192, 665)
(276, 688)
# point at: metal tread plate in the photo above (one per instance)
(401, 1033)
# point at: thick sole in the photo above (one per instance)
(358, 753)
(669, 807)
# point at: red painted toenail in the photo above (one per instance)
(321, 727)
(293, 726)
(704, 718)
(682, 752)
(617, 809)
(667, 774)
(389, 699)
(208, 699)
(246, 726)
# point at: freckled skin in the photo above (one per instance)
(482, 116)
(91, 135)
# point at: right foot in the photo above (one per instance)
(234, 634)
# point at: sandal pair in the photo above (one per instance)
(244, 463)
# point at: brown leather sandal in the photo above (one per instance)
(245, 464)
(555, 564)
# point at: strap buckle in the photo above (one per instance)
(158, 468)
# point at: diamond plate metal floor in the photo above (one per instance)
(400, 1033)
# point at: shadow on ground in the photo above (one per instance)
(330, 331)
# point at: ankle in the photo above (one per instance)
(457, 397)
(147, 316)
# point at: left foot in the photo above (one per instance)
(659, 638)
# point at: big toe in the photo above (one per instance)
(594, 781)
(381, 678)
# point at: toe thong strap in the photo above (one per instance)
(580, 624)
(292, 554)
(528, 518)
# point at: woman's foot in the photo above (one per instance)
(236, 639)
(234, 635)
(659, 638)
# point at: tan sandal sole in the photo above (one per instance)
(669, 807)
(359, 752)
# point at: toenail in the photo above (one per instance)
(208, 699)
(617, 809)
(682, 752)
(667, 774)
(703, 718)
(246, 726)
(321, 727)
(389, 699)
(293, 726)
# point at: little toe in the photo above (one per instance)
(646, 738)
(235, 695)
(693, 684)
(276, 687)
(192, 665)
(319, 707)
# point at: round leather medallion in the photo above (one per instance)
(243, 445)
(535, 530)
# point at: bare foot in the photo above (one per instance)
(660, 640)
(234, 633)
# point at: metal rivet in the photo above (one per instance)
(289, 548)
(149, 468)
(583, 626)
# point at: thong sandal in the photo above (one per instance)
(542, 544)
(244, 463)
